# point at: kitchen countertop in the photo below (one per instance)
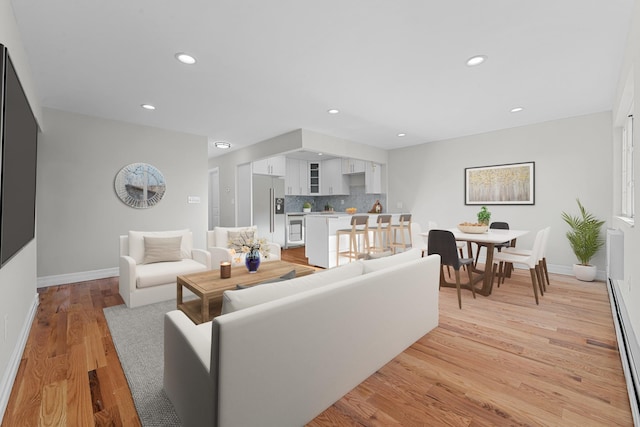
(317, 213)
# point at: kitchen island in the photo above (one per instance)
(320, 245)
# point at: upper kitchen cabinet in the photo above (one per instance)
(350, 166)
(274, 166)
(296, 179)
(333, 181)
(373, 178)
(314, 178)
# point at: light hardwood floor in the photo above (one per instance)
(501, 360)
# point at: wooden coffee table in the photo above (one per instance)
(208, 286)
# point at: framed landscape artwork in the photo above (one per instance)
(510, 184)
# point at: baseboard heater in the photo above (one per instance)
(627, 342)
(627, 346)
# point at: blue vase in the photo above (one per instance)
(252, 260)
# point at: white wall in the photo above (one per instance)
(572, 160)
(629, 92)
(79, 214)
(18, 276)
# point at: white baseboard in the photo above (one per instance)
(566, 270)
(14, 362)
(83, 276)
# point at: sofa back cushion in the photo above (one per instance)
(162, 249)
(239, 299)
(372, 265)
(136, 242)
(239, 239)
(221, 235)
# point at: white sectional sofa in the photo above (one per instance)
(284, 352)
(147, 278)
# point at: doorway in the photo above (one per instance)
(214, 198)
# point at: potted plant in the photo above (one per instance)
(585, 240)
(484, 216)
(306, 207)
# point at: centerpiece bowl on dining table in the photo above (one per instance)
(473, 228)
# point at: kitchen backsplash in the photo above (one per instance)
(357, 199)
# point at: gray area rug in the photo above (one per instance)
(138, 334)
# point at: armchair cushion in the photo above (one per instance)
(162, 249)
(161, 273)
(136, 242)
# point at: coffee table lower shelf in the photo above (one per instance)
(193, 309)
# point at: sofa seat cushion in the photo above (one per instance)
(372, 265)
(239, 299)
(162, 273)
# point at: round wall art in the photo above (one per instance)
(140, 185)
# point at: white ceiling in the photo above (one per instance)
(268, 67)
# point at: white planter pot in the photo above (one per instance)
(586, 273)
(306, 209)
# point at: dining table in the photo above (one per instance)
(490, 239)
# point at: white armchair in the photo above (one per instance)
(218, 244)
(151, 261)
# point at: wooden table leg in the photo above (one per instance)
(205, 309)
(487, 283)
(179, 295)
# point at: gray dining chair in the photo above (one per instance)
(443, 243)
(495, 226)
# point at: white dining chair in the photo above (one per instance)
(500, 259)
(542, 261)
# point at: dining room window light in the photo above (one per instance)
(627, 167)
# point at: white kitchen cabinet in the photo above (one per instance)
(373, 178)
(274, 166)
(350, 166)
(321, 240)
(314, 178)
(332, 180)
(296, 178)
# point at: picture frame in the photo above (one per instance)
(506, 184)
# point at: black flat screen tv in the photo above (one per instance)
(18, 151)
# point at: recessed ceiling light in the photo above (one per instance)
(185, 58)
(333, 111)
(402, 134)
(223, 145)
(516, 109)
(476, 60)
(320, 154)
(148, 107)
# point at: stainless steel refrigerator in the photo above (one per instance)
(268, 207)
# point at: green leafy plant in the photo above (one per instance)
(306, 205)
(584, 236)
(484, 216)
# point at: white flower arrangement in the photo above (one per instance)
(251, 245)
